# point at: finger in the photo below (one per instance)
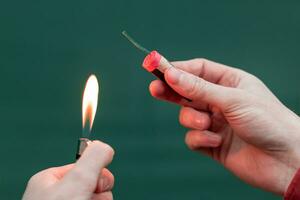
(103, 196)
(95, 157)
(162, 91)
(105, 182)
(197, 89)
(85, 173)
(50, 176)
(194, 119)
(60, 172)
(196, 139)
(206, 69)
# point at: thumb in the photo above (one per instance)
(85, 174)
(196, 88)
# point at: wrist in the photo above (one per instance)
(293, 163)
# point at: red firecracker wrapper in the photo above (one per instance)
(152, 61)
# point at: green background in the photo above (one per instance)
(49, 48)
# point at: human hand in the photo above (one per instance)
(235, 119)
(86, 179)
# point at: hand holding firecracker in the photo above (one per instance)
(235, 119)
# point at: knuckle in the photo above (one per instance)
(197, 86)
(200, 64)
(81, 176)
(200, 61)
(193, 89)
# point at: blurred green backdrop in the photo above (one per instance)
(49, 48)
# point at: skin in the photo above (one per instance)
(235, 119)
(87, 179)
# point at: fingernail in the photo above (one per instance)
(214, 140)
(198, 120)
(174, 75)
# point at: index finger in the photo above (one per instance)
(206, 69)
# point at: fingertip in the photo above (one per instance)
(157, 88)
(105, 182)
(101, 147)
(189, 141)
(105, 172)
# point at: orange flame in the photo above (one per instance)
(90, 101)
